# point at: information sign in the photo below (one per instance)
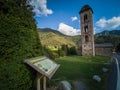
(43, 65)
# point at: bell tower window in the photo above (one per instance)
(86, 29)
(86, 38)
(85, 17)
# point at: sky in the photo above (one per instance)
(63, 15)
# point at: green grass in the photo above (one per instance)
(82, 68)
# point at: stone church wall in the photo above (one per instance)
(103, 51)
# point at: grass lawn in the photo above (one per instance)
(82, 68)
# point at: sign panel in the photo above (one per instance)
(43, 65)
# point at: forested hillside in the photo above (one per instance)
(18, 40)
(50, 37)
(57, 44)
(108, 37)
(107, 32)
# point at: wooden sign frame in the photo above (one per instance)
(33, 62)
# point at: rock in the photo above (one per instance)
(64, 85)
(97, 78)
(107, 64)
(52, 88)
(104, 69)
(79, 85)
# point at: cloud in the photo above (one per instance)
(40, 7)
(74, 18)
(68, 30)
(112, 23)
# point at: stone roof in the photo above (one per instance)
(85, 8)
(104, 45)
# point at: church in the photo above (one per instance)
(88, 47)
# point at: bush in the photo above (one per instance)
(51, 54)
(118, 48)
(61, 53)
(16, 76)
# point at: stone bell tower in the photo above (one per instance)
(87, 33)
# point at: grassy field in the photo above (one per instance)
(82, 68)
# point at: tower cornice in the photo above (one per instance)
(85, 8)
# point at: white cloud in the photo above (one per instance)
(40, 7)
(95, 30)
(112, 23)
(68, 30)
(74, 18)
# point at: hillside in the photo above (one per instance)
(46, 30)
(108, 37)
(113, 32)
(50, 37)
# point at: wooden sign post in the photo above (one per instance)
(45, 68)
(38, 81)
(44, 83)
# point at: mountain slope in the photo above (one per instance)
(50, 37)
(106, 32)
(49, 30)
(108, 37)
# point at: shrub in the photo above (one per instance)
(51, 54)
(61, 53)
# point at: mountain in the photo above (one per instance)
(46, 30)
(106, 32)
(50, 37)
(108, 37)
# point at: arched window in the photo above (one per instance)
(86, 38)
(86, 29)
(85, 17)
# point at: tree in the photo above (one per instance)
(73, 51)
(118, 48)
(65, 49)
(18, 41)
